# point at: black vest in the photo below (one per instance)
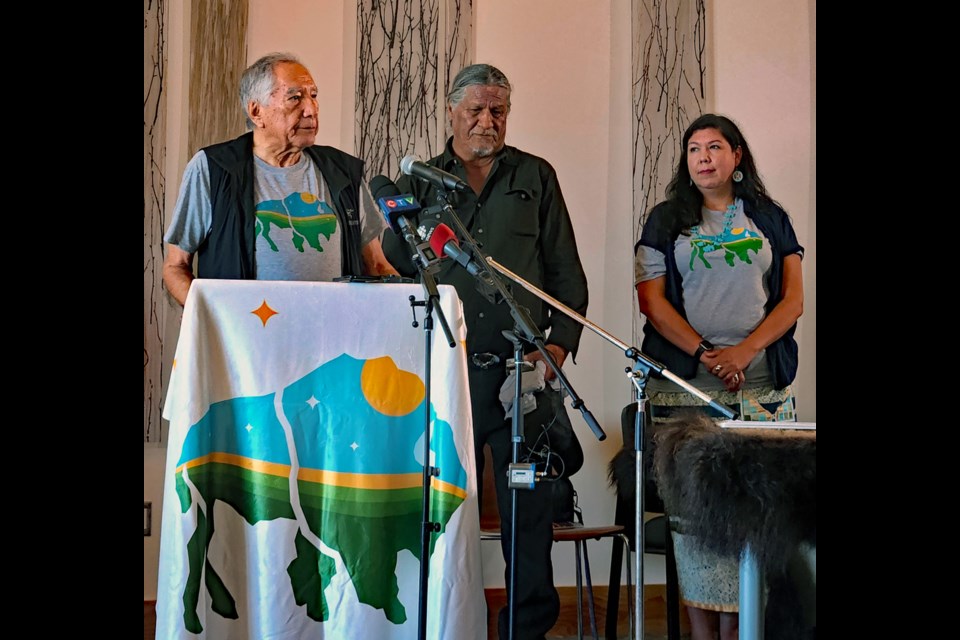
(229, 252)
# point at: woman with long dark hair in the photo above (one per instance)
(718, 277)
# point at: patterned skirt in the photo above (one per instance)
(760, 403)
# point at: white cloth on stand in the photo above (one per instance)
(531, 382)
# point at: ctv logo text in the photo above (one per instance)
(399, 203)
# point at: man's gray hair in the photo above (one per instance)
(477, 74)
(259, 80)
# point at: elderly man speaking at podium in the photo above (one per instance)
(271, 205)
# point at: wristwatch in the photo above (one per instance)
(705, 345)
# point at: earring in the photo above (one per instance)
(737, 175)
(691, 182)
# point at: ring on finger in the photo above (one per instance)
(717, 368)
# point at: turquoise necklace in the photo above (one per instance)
(728, 217)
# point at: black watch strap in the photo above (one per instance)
(705, 345)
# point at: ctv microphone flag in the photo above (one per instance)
(399, 205)
(399, 209)
(395, 206)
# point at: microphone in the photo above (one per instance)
(395, 208)
(444, 242)
(412, 166)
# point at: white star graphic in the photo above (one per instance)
(249, 427)
(354, 446)
(313, 402)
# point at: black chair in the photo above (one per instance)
(568, 526)
(656, 531)
(577, 532)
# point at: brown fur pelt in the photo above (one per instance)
(733, 488)
(620, 471)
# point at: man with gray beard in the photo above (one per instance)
(516, 211)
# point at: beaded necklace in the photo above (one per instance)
(728, 217)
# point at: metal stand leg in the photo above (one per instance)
(579, 594)
(626, 545)
(751, 596)
(643, 421)
(590, 605)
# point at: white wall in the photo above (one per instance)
(765, 80)
(570, 64)
(154, 456)
(314, 32)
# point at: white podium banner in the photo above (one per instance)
(293, 493)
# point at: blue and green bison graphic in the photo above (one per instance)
(353, 428)
(305, 214)
(734, 243)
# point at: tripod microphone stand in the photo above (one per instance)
(525, 329)
(639, 376)
(430, 303)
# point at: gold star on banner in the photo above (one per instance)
(264, 313)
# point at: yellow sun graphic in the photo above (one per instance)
(389, 390)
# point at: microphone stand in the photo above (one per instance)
(430, 304)
(639, 377)
(526, 329)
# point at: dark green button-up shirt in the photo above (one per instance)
(520, 220)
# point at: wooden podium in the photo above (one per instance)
(293, 486)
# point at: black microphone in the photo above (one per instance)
(412, 166)
(444, 241)
(396, 207)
